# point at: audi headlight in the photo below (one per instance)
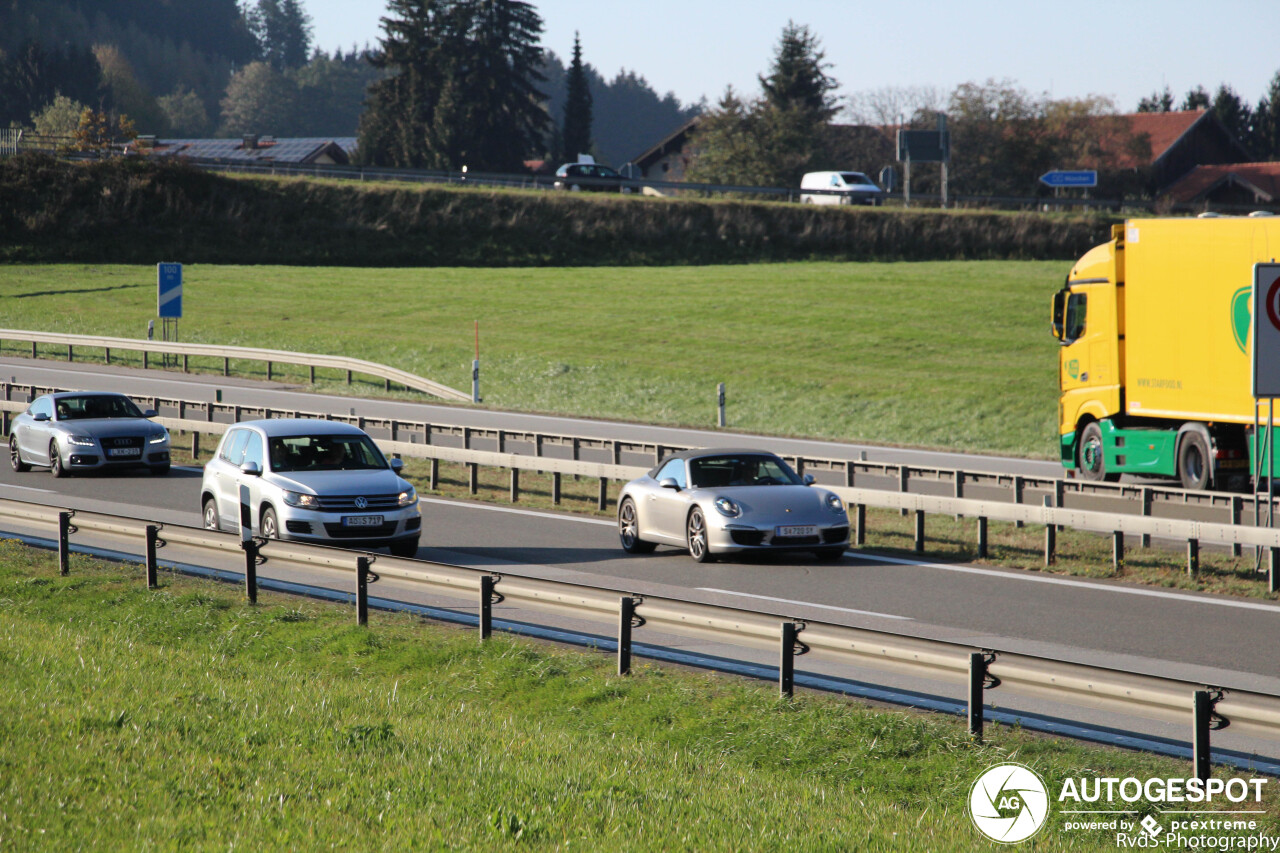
(300, 500)
(159, 437)
(834, 503)
(409, 497)
(728, 507)
(80, 440)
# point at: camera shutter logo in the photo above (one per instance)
(1009, 803)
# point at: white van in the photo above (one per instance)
(845, 187)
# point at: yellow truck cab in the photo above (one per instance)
(1154, 368)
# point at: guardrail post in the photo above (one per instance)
(603, 500)
(33, 349)
(860, 524)
(1017, 496)
(268, 371)
(1237, 509)
(959, 490)
(144, 359)
(313, 374)
(1050, 539)
(153, 532)
(848, 474)
(902, 484)
(515, 485)
(486, 606)
(184, 363)
(1202, 710)
(251, 548)
(226, 367)
(1146, 511)
(1060, 496)
(348, 377)
(977, 683)
(362, 591)
(1117, 550)
(473, 477)
(787, 663)
(1193, 556)
(919, 532)
(71, 356)
(555, 487)
(434, 475)
(1273, 582)
(64, 544)
(107, 354)
(626, 621)
(982, 537)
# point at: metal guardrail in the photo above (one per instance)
(1102, 688)
(226, 353)
(1056, 503)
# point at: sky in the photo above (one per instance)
(1124, 49)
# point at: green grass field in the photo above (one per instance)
(939, 354)
(185, 719)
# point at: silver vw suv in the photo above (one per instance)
(313, 481)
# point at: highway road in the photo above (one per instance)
(1210, 639)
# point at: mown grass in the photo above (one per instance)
(185, 719)
(939, 354)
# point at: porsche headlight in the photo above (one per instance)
(80, 440)
(408, 497)
(728, 507)
(834, 503)
(298, 499)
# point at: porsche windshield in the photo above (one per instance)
(325, 453)
(741, 470)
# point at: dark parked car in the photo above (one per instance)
(592, 177)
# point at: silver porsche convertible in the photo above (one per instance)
(70, 432)
(716, 502)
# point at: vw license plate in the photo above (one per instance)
(124, 451)
(798, 530)
(362, 521)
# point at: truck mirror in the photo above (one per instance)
(1058, 300)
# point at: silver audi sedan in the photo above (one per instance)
(314, 481)
(74, 431)
(723, 501)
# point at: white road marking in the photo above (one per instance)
(29, 489)
(806, 603)
(1096, 587)
(532, 513)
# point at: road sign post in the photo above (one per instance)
(169, 299)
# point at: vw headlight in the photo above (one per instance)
(300, 500)
(80, 440)
(728, 507)
(834, 503)
(159, 437)
(409, 497)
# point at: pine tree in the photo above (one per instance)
(798, 78)
(1266, 123)
(1157, 102)
(1196, 99)
(283, 31)
(575, 137)
(507, 121)
(1233, 113)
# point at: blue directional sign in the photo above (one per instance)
(169, 290)
(1081, 178)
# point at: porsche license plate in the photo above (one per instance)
(124, 451)
(362, 521)
(798, 530)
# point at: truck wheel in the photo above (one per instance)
(1090, 458)
(1194, 461)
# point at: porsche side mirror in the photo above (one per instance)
(808, 479)
(669, 483)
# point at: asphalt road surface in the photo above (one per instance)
(1210, 639)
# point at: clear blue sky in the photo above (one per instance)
(1124, 49)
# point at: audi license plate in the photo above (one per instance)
(124, 451)
(798, 530)
(362, 521)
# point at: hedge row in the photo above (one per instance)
(134, 211)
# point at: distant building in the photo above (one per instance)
(305, 151)
(1179, 142)
(1241, 184)
(669, 158)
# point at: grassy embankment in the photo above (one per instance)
(940, 354)
(185, 719)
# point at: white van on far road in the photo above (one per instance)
(845, 188)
